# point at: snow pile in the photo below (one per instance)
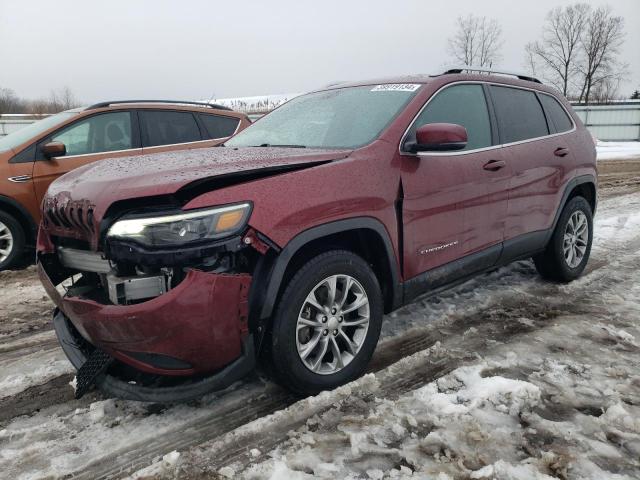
(617, 150)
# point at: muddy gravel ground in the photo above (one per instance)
(45, 433)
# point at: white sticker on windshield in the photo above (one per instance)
(396, 87)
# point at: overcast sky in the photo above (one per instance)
(198, 49)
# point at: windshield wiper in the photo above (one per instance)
(279, 146)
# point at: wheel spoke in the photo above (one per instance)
(323, 352)
(351, 346)
(359, 302)
(310, 346)
(332, 284)
(570, 257)
(313, 301)
(305, 322)
(337, 354)
(4, 252)
(347, 287)
(353, 323)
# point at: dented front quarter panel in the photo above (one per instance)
(365, 184)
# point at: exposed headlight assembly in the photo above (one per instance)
(183, 228)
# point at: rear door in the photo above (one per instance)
(455, 203)
(537, 159)
(165, 130)
(99, 136)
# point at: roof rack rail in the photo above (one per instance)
(467, 68)
(171, 102)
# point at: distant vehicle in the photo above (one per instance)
(31, 158)
(290, 243)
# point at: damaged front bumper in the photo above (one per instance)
(184, 338)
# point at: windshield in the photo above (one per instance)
(342, 118)
(32, 130)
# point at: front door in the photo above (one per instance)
(455, 203)
(104, 135)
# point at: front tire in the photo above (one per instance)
(12, 241)
(567, 253)
(327, 323)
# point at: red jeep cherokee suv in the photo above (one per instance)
(173, 275)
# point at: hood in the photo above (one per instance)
(107, 181)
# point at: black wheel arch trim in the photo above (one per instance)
(571, 185)
(25, 217)
(269, 272)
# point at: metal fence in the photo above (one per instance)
(609, 122)
(12, 122)
(612, 122)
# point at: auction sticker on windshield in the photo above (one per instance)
(396, 87)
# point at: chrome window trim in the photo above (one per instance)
(183, 143)
(94, 153)
(483, 149)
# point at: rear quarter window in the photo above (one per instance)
(519, 113)
(219, 126)
(556, 113)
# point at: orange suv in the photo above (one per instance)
(31, 158)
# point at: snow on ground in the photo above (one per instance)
(24, 305)
(484, 420)
(32, 369)
(617, 150)
(560, 402)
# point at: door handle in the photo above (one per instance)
(561, 152)
(493, 165)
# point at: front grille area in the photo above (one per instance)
(69, 218)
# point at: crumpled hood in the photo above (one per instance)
(107, 181)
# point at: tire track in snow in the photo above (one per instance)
(490, 326)
(494, 323)
(234, 410)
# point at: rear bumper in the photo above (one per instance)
(197, 328)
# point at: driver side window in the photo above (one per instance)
(106, 132)
(463, 105)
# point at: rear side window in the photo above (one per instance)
(218, 126)
(461, 104)
(167, 128)
(557, 114)
(519, 113)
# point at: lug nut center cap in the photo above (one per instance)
(332, 324)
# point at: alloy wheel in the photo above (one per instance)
(6, 242)
(332, 324)
(576, 237)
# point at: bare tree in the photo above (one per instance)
(556, 55)
(62, 99)
(477, 41)
(601, 41)
(9, 103)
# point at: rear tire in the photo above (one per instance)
(12, 241)
(567, 253)
(321, 340)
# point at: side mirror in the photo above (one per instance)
(438, 137)
(54, 149)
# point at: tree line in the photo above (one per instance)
(578, 51)
(57, 101)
